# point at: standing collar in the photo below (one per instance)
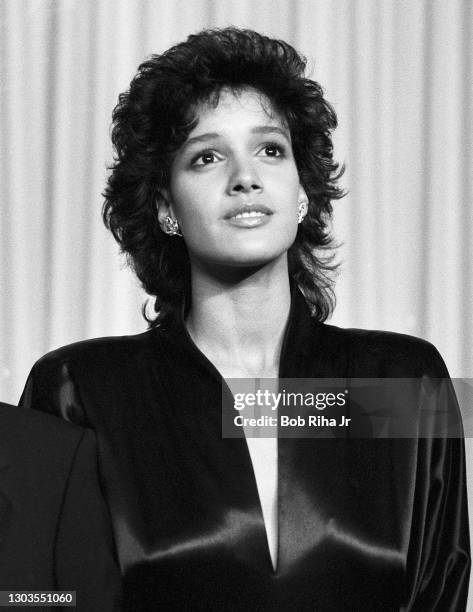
(298, 342)
(297, 345)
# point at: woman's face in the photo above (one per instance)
(234, 185)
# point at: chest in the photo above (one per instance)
(186, 506)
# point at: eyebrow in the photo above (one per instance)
(260, 129)
(270, 129)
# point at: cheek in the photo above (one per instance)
(194, 213)
(286, 184)
(189, 205)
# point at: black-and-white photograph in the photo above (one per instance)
(236, 363)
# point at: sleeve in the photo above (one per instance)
(84, 549)
(439, 553)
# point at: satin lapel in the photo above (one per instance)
(310, 470)
(328, 515)
(233, 492)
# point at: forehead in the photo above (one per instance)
(243, 105)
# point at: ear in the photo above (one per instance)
(164, 207)
(302, 195)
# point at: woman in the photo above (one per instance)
(220, 192)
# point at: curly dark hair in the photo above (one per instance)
(153, 119)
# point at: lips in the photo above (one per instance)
(248, 211)
(248, 216)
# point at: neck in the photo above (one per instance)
(239, 323)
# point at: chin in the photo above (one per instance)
(256, 258)
(244, 253)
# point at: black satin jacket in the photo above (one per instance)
(364, 524)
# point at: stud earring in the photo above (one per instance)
(301, 211)
(171, 227)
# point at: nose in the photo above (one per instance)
(244, 178)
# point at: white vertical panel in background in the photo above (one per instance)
(167, 23)
(39, 117)
(465, 159)
(400, 154)
(270, 17)
(364, 165)
(387, 114)
(23, 284)
(66, 215)
(382, 108)
(111, 288)
(120, 37)
(446, 210)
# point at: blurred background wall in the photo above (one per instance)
(399, 74)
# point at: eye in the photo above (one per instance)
(204, 158)
(272, 149)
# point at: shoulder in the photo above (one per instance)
(111, 346)
(383, 353)
(102, 355)
(60, 380)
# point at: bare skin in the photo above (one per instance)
(240, 329)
